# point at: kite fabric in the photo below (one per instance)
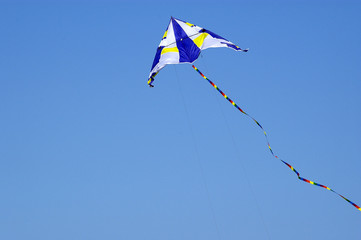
(269, 146)
(182, 42)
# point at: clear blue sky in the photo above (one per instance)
(89, 151)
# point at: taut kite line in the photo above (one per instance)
(182, 42)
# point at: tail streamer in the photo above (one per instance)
(269, 146)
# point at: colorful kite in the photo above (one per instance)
(182, 43)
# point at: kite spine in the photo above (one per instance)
(268, 144)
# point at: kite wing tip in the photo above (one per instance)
(245, 50)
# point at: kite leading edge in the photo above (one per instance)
(182, 42)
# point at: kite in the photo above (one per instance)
(183, 42)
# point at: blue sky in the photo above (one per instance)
(88, 151)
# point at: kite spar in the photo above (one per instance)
(183, 42)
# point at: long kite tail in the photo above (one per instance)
(269, 147)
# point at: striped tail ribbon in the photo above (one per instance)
(269, 146)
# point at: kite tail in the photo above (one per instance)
(151, 79)
(269, 146)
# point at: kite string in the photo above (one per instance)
(198, 158)
(243, 168)
(269, 146)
